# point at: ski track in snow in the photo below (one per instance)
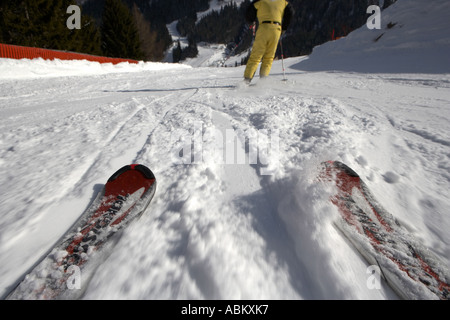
(218, 230)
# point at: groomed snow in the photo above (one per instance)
(218, 228)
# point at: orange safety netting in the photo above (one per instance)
(19, 52)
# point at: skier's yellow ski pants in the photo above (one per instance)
(264, 49)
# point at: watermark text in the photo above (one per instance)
(200, 144)
(74, 21)
(374, 21)
(374, 279)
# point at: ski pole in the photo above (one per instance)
(282, 59)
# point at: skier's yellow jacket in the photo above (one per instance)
(270, 10)
(273, 17)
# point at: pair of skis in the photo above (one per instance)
(408, 267)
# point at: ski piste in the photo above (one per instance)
(66, 271)
(411, 270)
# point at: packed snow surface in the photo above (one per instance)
(221, 225)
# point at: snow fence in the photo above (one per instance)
(19, 52)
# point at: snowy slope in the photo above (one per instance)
(410, 30)
(219, 227)
(210, 55)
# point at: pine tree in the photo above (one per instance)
(147, 37)
(42, 23)
(87, 39)
(31, 23)
(220, 26)
(119, 33)
(3, 31)
(176, 53)
(191, 51)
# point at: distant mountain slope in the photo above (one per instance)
(413, 38)
(314, 22)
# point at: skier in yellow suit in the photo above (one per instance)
(274, 16)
